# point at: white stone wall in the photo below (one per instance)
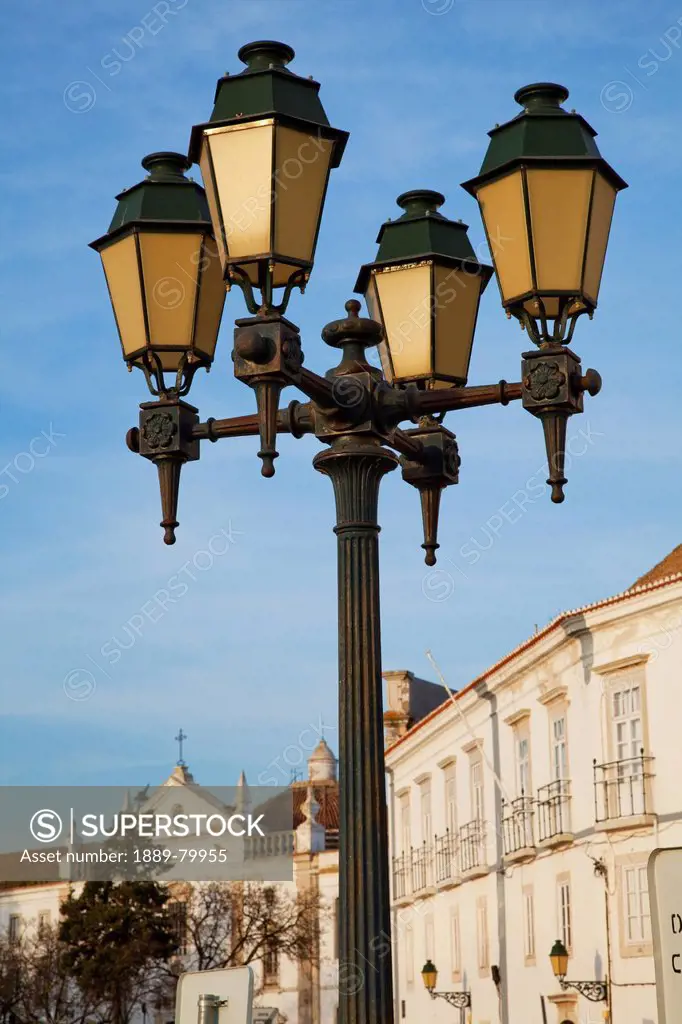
(571, 669)
(29, 903)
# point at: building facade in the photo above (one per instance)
(524, 808)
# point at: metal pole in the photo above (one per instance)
(209, 1007)
(356, 465)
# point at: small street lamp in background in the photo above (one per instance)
(462, 1000)
(595, 991)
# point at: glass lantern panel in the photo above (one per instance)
(503, 209)
(170, 265)
(405, 303)
(239, 185)
(212, 199)
(211, 301)
(603, 199)
(302, 169)
(559, 204)
(122, 271)
(374, 311)
(455, 309)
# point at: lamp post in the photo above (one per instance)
(266, 155)
(461, 1000)
(595, 991)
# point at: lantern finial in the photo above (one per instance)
(266, 53)
(420, 201)
(541, 96)
(166, 166)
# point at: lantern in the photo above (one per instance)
(559, 959)
(163, 273)
(424, 288)
(429, 976)
(265, 158)
(546, 197)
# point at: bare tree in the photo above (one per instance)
(36, 982)
(230, 924)
(12, 978)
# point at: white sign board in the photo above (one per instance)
(232, 985)
(665, 895)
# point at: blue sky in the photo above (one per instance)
(245, 659)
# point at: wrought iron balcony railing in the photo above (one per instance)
(622, 789)
(472, 852)
(447, 859)
(422, 867)
(554, 809)
(401, 876)
(517, 825)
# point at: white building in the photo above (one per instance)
(524, 810)
(288, 992)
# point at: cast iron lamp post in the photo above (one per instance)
(266, 154)
(595, 991)
(430, 976)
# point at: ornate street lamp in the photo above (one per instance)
(266, 156)
(595, 991)
(160, 261)
(546, 196)
(430, 977)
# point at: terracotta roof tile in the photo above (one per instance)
(669, 566)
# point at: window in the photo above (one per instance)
(43, 922)
(482, 934)
(455, 946)
(523, 784)
(178, 920)
(409, 954)
(425, 810)
(626, 709)
(559, 749)
(564, 912)
(626, 714)
(636, 896)
(528, 924)
(429, 942)
(271, 967)
(405, 828)
(476, 775)
(450, 780)
(14, 929)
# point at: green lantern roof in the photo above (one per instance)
(543, 131)
(421, 233)
(267, 88)
(165, 195)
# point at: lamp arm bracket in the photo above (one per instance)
(409, 403)
(462, 1000)
(595, 991)
(294, 419)
(410, 447)
(315, 387)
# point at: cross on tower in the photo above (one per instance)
(179, 739)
